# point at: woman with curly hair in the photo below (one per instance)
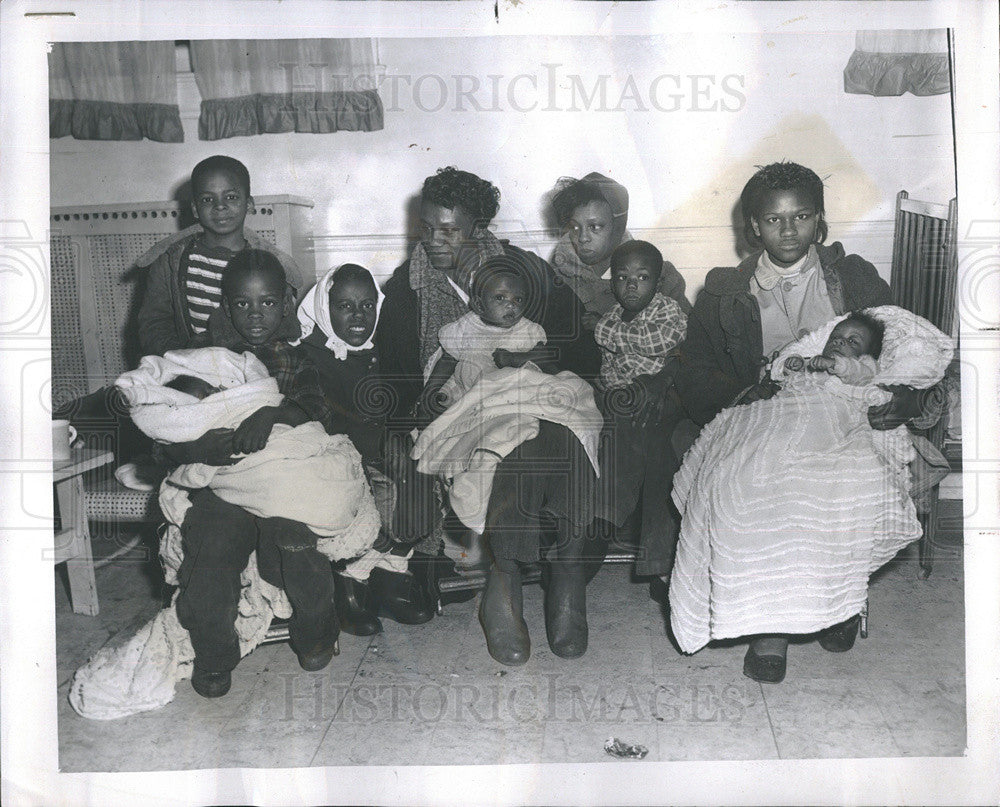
(592, 214)
(546, 482)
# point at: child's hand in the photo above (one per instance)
(819, 364)
(508, 358)
(502, 358)
(214, 447)
(795, 364)
(252, 434)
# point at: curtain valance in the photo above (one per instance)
(251, 87)
(894, 62)
(114, 91)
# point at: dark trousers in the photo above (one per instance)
(218, 538)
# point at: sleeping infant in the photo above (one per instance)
(798, 493)
(182, 395)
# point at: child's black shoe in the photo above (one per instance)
(211, 684)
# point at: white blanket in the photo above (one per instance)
(788, 505)
(501, 411)
(303, 474)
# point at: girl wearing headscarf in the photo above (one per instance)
(338, 317)
(593, 213)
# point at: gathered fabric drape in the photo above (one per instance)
(114, 91)
(251, 87)
(894, 62)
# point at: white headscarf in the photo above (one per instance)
(314, 312)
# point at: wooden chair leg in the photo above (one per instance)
(80, 564)
(929, 523)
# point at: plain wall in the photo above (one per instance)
(727, 103)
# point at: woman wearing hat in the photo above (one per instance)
(592, 213)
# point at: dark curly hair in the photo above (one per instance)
(451, 188)
(783, 176)
(875, 327)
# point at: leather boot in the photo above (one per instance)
(211, 684)
(566, 610)
(401, 597)
(501, 615)
(566, 597)
(354, 609)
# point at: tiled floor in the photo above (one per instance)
(432, 695)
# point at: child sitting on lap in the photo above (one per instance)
(494, 380)
(493, 335)
(637, 335)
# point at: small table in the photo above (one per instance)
(72, 543)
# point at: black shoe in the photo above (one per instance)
(566, 612)
(840, 637)
(354, 609)
(211, 684)
(401, 597)
(318, 656)
(659, 591)
(765, 668)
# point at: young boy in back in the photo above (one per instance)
(636, 335)
(183, 283)
(219, 537)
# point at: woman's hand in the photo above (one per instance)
(252, 434)
(904, 406)
(794, 364)
(820, 364)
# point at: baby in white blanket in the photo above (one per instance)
(789, 504)
(186, 393)
(850, 352)
(495, 334)
(486, 394)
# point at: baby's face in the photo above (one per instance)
(193, 386)
(353, 307)
(634, 282)
(502, 302)
(848, 339)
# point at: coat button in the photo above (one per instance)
(788, 285)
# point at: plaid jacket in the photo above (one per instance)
(297, 377)
(639, 347)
